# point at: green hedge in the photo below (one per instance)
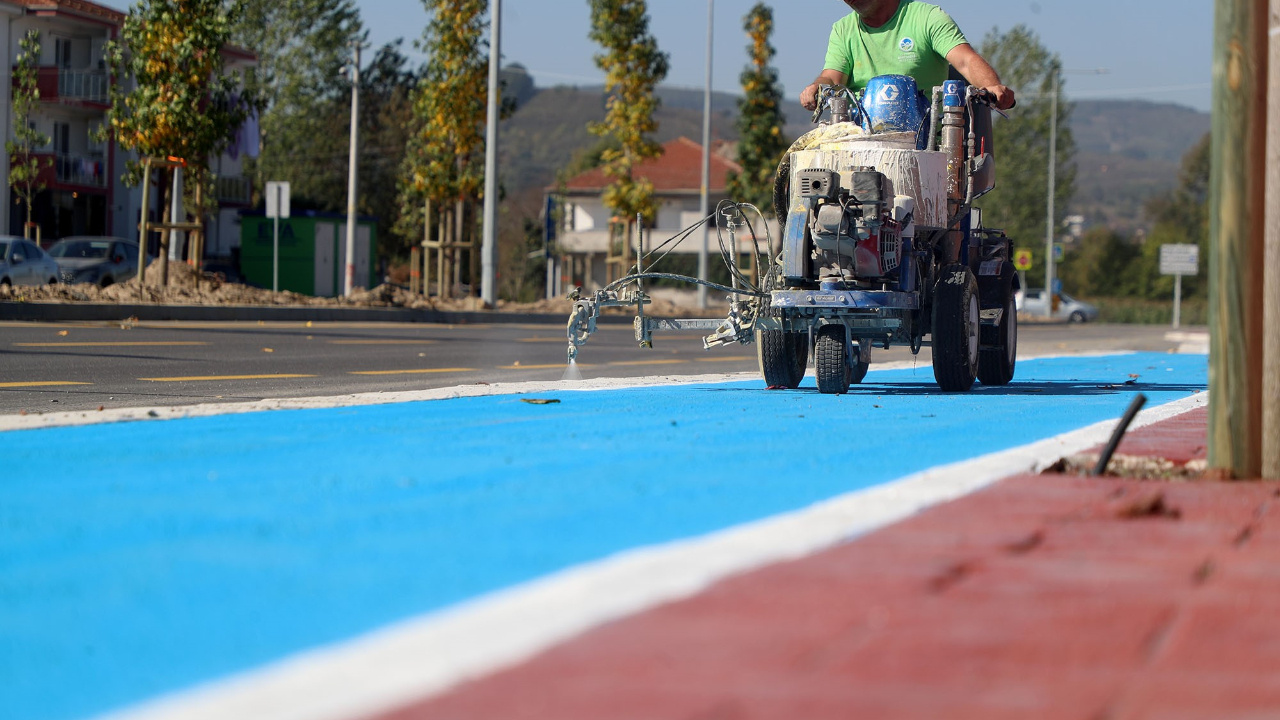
(1150, 312)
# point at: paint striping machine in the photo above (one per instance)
(881, 245)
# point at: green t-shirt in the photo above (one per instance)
(914, 42)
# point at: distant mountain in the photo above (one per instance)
(1127, 151)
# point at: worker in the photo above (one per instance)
(902, 37)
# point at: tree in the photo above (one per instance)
(760, 118)
(633, 67)
(1018, 204)
(303, 47)
(24, 166)
(1180, 216)
(444, 158)
(180, 102)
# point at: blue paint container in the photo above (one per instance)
(893, 103)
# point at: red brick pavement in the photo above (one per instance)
(1040, 597)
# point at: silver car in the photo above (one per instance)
(22, 262)
(1032, 302)
(98, 260)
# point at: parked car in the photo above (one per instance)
(22, 262)
(98, 260)
(1032, 302)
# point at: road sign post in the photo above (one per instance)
(1179, 260)
(277, 207)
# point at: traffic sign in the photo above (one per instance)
(1022, 259)
(1179, 259)
(277, 199)
(1057, 252)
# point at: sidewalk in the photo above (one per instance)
(1046, 596)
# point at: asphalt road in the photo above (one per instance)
(48, 367)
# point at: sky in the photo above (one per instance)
(1156, 50)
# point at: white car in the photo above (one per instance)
(22, 262)
(1032, 303)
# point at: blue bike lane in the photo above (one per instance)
(142, 558)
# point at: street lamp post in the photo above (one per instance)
(349, 276)
(704, 206)
(489, 242)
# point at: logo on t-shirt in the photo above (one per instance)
(907, 45)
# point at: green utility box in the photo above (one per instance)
(313, 252)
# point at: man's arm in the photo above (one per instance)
(978, 72)
(809, 96)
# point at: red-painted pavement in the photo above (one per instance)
(1040, 597)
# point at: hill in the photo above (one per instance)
(1128, 150)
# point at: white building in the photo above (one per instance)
(83, 193)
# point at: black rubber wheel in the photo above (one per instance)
(783, 356)
(1000, 347)
(956, 329)
(1078, 317)
(782, 190)
(859, 367)
(831, 359)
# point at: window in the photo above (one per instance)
(62, 52)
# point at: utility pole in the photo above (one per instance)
(1271, 283)
(1053, 189)
(1237, 256)
(489, 241)
(349, 281)
(705, 206)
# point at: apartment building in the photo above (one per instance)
(83, 193)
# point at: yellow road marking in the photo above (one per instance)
(542, 340)
(381, 342)
(649, 362)
(55, 383)
(112, 344)
(420, 371)
(202, 378)
(553, 366)
(740, 358)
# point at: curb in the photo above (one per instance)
(112, 312)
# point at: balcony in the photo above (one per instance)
(87, 170)
(87, 85)
(234, 190)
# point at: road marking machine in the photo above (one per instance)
(880, 245)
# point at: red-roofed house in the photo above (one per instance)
(677, 179)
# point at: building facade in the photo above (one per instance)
(584, 236)
(83, 192)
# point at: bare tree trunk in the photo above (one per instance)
(165, 212)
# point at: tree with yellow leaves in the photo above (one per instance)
(633, 67)
(760, 118)
(24, 166)
(171, 96)
(443, 165)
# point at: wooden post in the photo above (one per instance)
(415, 270)
(144, 228)
(1236, 247)
(1271, 283)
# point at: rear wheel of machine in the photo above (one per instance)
(956, 327)
(859, 366)
(1000, 344)
(831, 357)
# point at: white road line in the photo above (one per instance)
(418, 658)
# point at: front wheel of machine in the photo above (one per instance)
(956, 327)
(830, 356)
(783, 357)
(997, 363)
